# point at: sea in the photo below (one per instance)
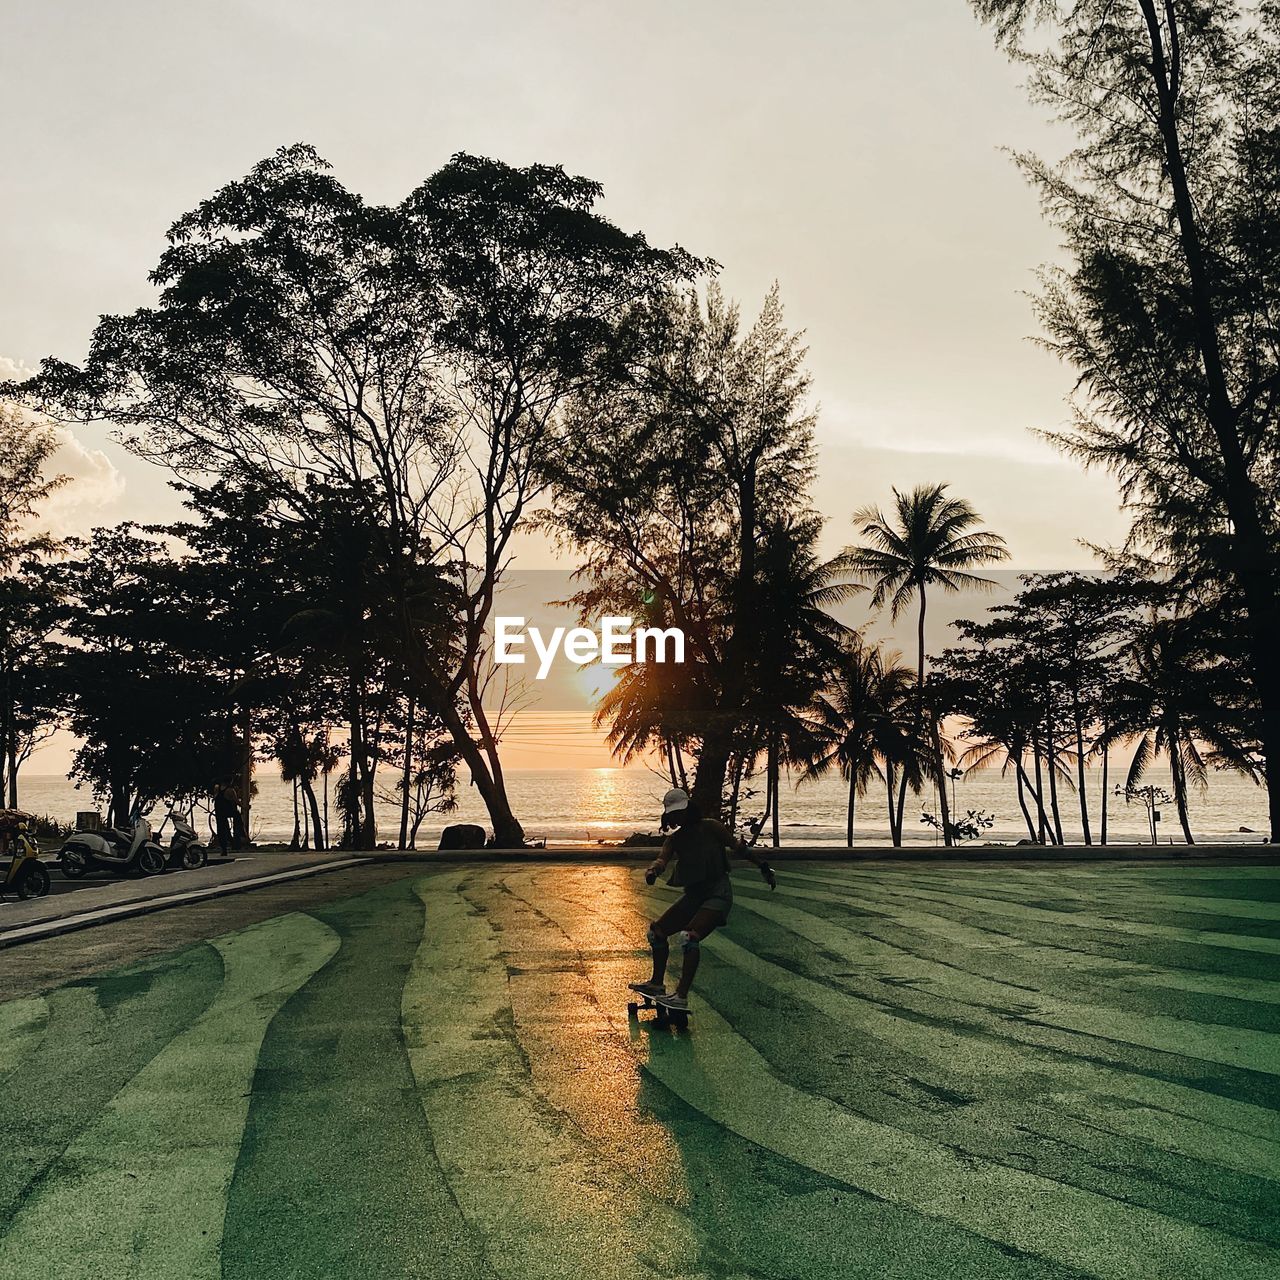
(602, 806)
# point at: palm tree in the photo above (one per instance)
(930, 541)
(798, 643)
(859, 725)
(1167, 702)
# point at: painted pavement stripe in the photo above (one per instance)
(929, 918)
(774, 1233)
(1208, 1042)
(22, 1028)
(337, 1175)
(1038, 915)
(523, 1174)
(568, 1039)
(978, 1055)
(143, 1191)
(1170, 1116)
(1138, 898)
(722, 1075)
(101, 1031)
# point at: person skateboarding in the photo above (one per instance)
(700, 848)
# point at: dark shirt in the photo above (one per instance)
(701, 853)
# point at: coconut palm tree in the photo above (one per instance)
(862, 723)
(798, 643)
(1167, 705)
(929, 541)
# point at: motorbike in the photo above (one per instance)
(25, 875)
(186, 853)
(115, 849)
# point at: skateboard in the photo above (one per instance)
(664, 1017)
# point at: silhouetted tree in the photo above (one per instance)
(666, 482)
(1170, 208)
(859, 724)
(413, 357)
(928, 540)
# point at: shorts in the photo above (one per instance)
(718, 896)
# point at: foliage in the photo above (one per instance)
(1170, 209)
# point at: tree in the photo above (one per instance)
(414, 358)
(798, 647)
(1167, 703)
(1170, 206)
(666, 482)
(929, 540)
(151, 713)
(859, 725)
(26, 604)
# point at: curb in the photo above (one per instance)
(1265, 854)
(127, 910)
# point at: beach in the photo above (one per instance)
(591, 806)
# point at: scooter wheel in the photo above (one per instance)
(194, 856)
(150, 862)
(73, 865)
(35, 884)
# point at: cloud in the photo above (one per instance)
(94, 489)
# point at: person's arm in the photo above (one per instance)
(737, 846)
(659, 864)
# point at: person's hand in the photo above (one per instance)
(654, 871)
(769, 878)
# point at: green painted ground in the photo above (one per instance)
(893, 1071)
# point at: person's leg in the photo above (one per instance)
(675, 918)
(704, 922)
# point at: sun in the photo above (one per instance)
(595, 680)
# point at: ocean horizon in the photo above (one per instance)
(605, 805)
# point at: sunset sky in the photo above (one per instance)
(850, 151)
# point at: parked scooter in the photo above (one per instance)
(186, 853)
(113, 849)
(25, 875)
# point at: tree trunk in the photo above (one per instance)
(709, 778)
(853, 800)
(309, 795)
(355, 750)
(118, 805)
(902, 802)
(1106, 763)
(296, 842)
(1083, 789)
(1022, 802)
(895, 826)
(406, 774)
(246, 770)
(1043, 817)
(1179, 775)
(935, 735)
(1252, 564)
(773, 787)
(739, 763)
(1053, 786)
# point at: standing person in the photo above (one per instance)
(226, 811)
(701, 848)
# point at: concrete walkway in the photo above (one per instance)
(98, 898)
(892, 1072)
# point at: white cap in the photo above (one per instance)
(675, 800)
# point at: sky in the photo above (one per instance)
(853, 152)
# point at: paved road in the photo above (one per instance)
(892, 1071)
